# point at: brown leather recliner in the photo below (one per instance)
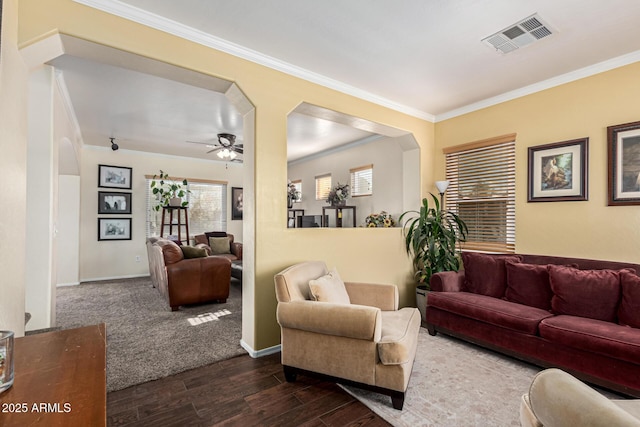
(187, 281)
(235, 248)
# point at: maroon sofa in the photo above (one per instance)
(580, 315)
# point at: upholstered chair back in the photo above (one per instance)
(292, 284)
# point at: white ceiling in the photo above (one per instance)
(423, 57)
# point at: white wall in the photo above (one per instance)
(388, 160)
(101, 260)
(68, 230)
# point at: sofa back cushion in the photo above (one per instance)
(629, 310)
(170, 251)
(528, 284)
(586, 293)
(486, 274)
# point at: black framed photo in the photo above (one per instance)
(113, 202)
(114, 177)
(558, 172)
(624, 164)
(114, 229)
(237, 203)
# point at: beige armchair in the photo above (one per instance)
(557, 399)
(366, 342)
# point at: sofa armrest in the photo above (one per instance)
(350, 321)
(236, 249)
(383, 296)
(447, 281)
(559, 399)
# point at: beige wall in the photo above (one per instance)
(13, 163)
(583, 108)
(108, 259)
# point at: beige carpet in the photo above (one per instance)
(456, 384)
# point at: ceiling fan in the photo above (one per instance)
(225, 148)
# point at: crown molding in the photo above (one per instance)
(572, 76)
(157, 22)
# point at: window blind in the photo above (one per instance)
(362, 181)
(323, 186)
(482, 192)
(207, 208)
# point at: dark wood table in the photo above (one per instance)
(339, 210)
(59, 380)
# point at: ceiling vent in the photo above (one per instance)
(519, 35)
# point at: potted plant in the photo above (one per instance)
(431, 239)
(292, 194)
(338, 195)
(168, 191)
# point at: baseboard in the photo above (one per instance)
(260, 353)
(101, 279)
(60, 285)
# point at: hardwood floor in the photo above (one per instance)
(237, 392)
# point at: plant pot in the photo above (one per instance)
(339, 203)
(175, 202)
(421, 300)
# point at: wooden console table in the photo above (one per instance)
(59, 380)
(339, 210)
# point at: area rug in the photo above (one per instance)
(456, 384)
(145, 339)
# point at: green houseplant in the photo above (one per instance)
(431, 239)
(168, 191)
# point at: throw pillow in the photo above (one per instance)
(192, 252)
(219, 245)
(486, 274)
(629, 310)
(329, 288)
(592, 294)
(528, 284)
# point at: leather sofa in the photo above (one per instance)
(234, 252)
(556, 398)
(580, 315)
(187, 281)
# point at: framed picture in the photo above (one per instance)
(114, 202)
(114, 228)
(236, 203)
(114, 177)
(624, 164)
(558, 171)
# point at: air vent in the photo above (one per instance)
(519, 35)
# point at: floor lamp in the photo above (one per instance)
(442, 188)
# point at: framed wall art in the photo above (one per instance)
(111, 202)
(237, 202)
(558, 172)
(624, 164)
(114, 177)
(114, 229)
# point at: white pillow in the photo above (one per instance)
(329, 288)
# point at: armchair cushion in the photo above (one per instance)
(329, 288)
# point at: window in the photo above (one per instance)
(362, 181)
(482, 192)
(323, 186)
(298, 186)
(207, 207)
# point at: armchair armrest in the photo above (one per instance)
(236, 249)
(351, 321)
(383, 296)
(447, 281)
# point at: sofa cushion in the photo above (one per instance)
(585, 293)
(486, 274)
(329, 288)
(170, 251)
(190, 252)
(606, 338)
(491, 310)
(399, 335)
(528, 284)
(219, 245)
(629, 309)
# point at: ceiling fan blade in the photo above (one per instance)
(214, 150)
(237, 149)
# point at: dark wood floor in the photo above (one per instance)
(237, 392)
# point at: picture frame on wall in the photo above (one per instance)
(114, 202)
(114, 229)
(114, 177)
(237, 203)
(558, 172)
(623, 143)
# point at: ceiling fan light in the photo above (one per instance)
(220, 154)
(232, 154)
